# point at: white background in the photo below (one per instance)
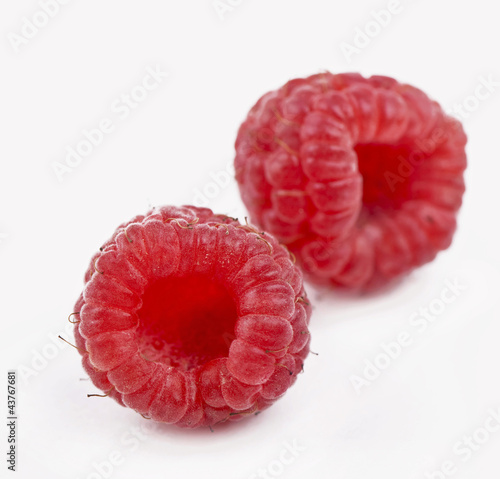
(67, 78)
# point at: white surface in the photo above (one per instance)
(67, 78)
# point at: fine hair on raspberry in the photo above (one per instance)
(361, 178)
(191, 318)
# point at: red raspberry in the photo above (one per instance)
(361, 178)
(191, 318)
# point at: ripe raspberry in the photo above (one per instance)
(191, 318)
(361, 178)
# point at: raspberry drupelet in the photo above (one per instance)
(192, 319)
(360, 177)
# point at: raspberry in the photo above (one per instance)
(192, 319)
(361, 178)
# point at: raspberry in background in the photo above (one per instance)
(191, 318)
(360, 177)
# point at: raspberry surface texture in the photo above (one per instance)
(361, 178)
(191, 318)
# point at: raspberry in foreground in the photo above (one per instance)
(361, 178)
(190, 318)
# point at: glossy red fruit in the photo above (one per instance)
(361, 178)
(190, 318)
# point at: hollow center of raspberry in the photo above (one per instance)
(387, 175)
(186, 321)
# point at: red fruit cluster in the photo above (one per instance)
(191, 318)
(361, 178)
